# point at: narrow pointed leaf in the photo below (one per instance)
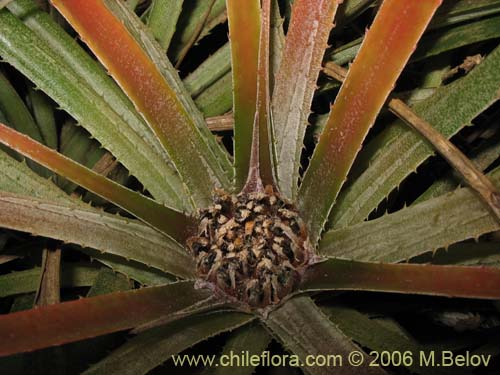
(462, 164)
(150, 349)
(89, 227)
(306, 331)
(43, 113)
(305, 44)
(252, 338)
(168, 221)
(22, 282)
(163, 19)
(89, 317)
(217, 99)
(16, 111)
(412, 231)
(261, 169)
(16, 177)
(213, 68)
(218, 156)
(386, 49)
(370, 333)
(107, 282)
(133, 270)
(244, 30)
(447, 281)
(276, 42)
(450, 181)
(152, 95)
(401, 151)
(194, 19)
(42, 50)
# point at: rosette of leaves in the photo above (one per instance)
(155, 125)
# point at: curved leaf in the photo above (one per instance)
(193, 19)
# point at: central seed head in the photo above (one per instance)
(253, 247)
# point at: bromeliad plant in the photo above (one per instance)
(251, 240)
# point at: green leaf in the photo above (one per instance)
(72, 276)
(155, 90)
(89, 317)
(402, 150)
(252, 338)
(19, 117)
(441, 40)
(306, 331)
(83, 88)
(306, 41)
(150, 349)
(77, 144)
(107, 282)
(192, 20)
(43, 112)
(162, 20)
(217, 99)
(447, 281)
(459, 36)
(93, 228)
(170, 222)
(276, 42)
(16, 177)
(212, 69)
(464, 10)
(412, 231)
(16, 112)
(483, 159)
(372, 334)
(386, 49)
(131, 269)
(219, 156)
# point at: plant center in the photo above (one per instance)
(253, 247)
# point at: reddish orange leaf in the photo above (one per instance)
(387, 47)
(448, 281)
(89, 317)
(161, 106)
(244, 30)
(171, 222)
